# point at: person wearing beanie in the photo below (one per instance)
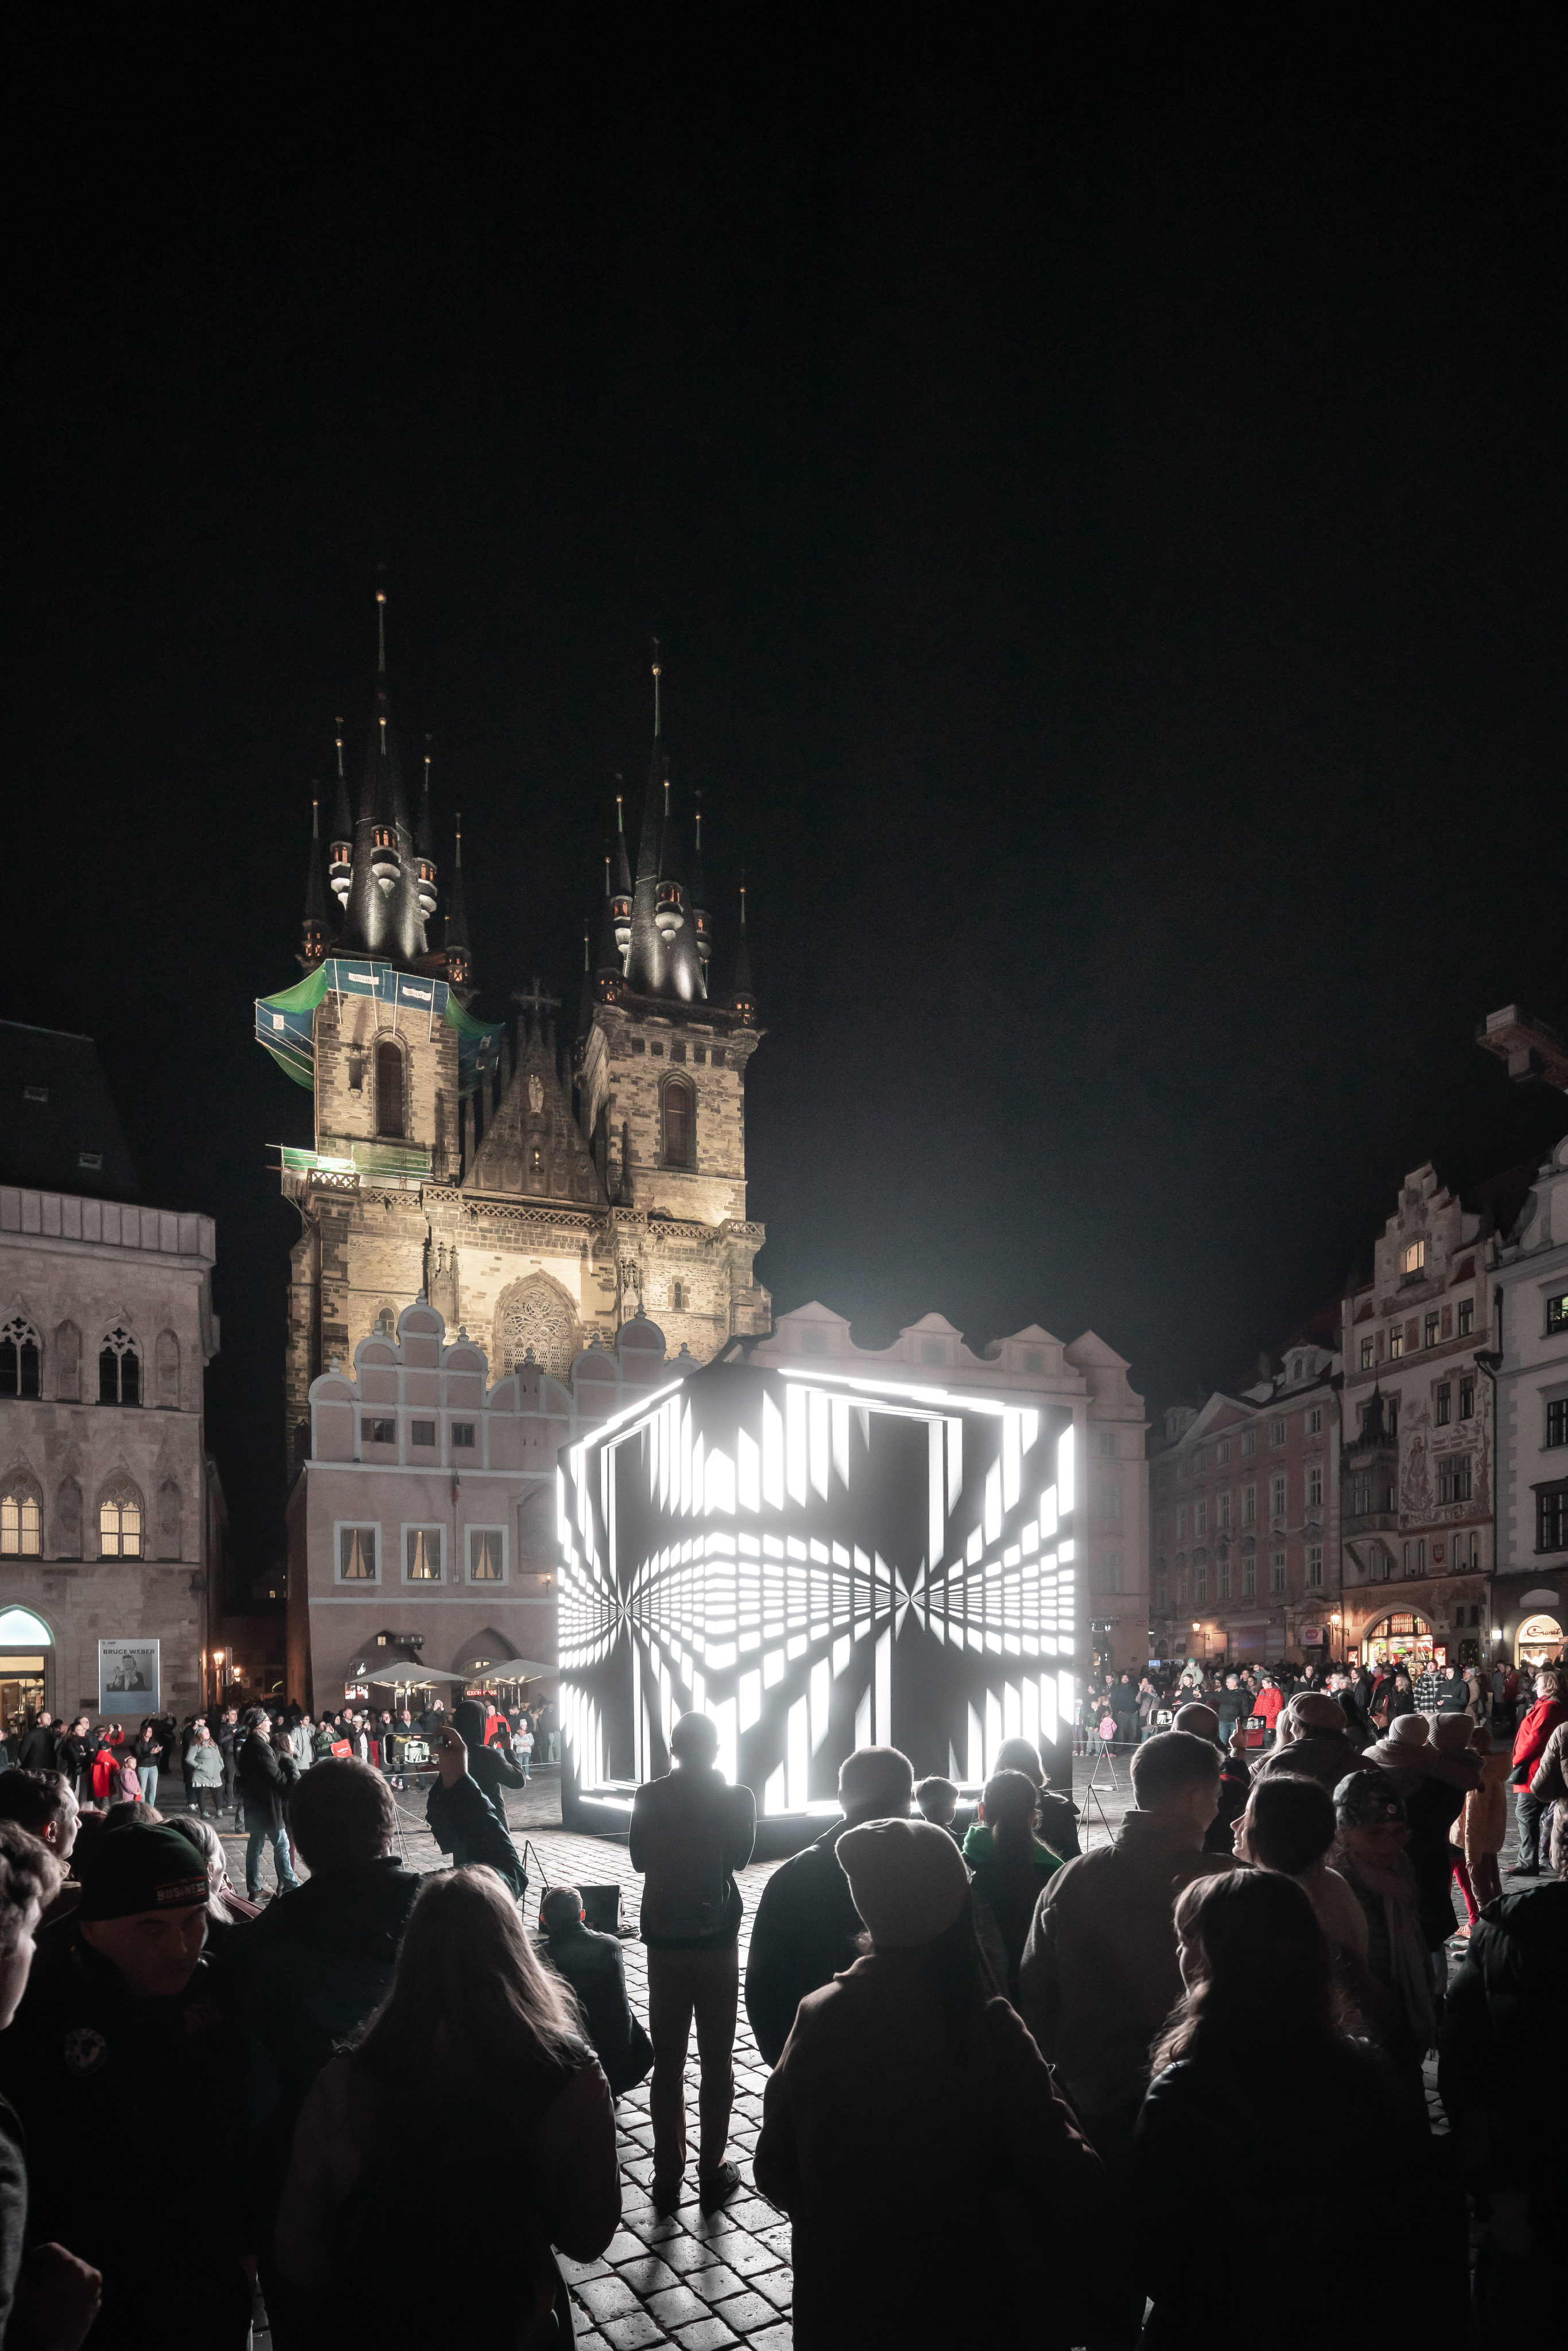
(1235, 1773)
(906, 2080)
(806, 1927)
(123, 2039)
(1313, 1740)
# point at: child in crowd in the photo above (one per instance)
(939, 1801)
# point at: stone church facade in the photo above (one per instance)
(540, 1184)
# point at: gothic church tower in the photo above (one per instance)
(539, 1191)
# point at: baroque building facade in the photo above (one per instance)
(540, 1184)
(110, 1512)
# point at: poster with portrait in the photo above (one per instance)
(128, 1678)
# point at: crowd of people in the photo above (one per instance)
(1117, 1710)
(1013, 2083)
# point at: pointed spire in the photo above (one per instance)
(586, 1000)
(386, 908)
(615, 927)
(423, 838)
(662, 957)
(742, 997)
(342, 818)
(341, 861)
(622, 863)
(313, 930)
(650, 840)
(456, 904)
(702, 921)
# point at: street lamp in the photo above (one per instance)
(219, 1656)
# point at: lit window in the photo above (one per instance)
(119, 1369)
(678, 1123)
(1412, 1258)
(1467, 1316)
(486, 1562)
(21, 1522)
(1396, 1341)
(1429, 1330)
(422, 1559)
(18, 1359)
(356, 1554)
(389, 1089)
(119, 1523)
(1368, 1354)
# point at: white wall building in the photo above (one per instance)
(1530, 1596)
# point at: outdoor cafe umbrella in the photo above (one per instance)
(405, 1673)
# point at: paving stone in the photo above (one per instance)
(606, 2297)
(745, 2312)
(572, 2272)
(711, 2224)
(744, 2253)
(707, 2334)
(623, 2246)
(684, 2253)
(633, 2333)
(778, 2285)
(778, 2239)
(647, 2276)
(590, 2340)
(639, 2168)
(774, 2338)
(753, 2212)
(717, 2281)
(678, 2307)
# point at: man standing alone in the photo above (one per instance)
(690, 1833)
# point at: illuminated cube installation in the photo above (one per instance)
(819, 1561)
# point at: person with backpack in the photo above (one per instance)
(690, 1833)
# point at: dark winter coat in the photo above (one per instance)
(1504, 2007)
(802, 1937)
(464, 1823)
(264, 1778)
(595, 1967)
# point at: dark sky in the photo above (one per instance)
(1098, 476)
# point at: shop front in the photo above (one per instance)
(1538, 1642)
(1403, 1639)
(27, 1653)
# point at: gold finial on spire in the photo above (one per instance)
(338, 724)
(658, 672)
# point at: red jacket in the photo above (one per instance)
(1536, 1729)
(104, 1772)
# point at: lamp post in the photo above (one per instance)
(219, 1656)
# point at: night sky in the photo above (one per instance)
(1098, 478)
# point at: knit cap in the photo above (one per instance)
(1366, 1800)
(907, 1878)
(126, 1871)
(1449, 1731)
(1409, 1729)
(1315, 1711)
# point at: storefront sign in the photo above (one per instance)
(128, 1678)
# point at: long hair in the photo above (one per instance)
(470, 2005)
(1258, 1967)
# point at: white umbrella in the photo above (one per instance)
(407, 1672)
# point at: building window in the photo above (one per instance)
(119, 1369)
(1222, 1451)
(1466, 1322)
(1111, 1498)
(1360, 1495)
(356, 1554)
(1391, 1416)
(1249, 1506)
(1407, 1562)
(422, 1554)
(1444, 1403)
(1181, 1523)
(1276, 1572)
(1315, 1486)
(1368, 1354)
(1315, 1421)
(21, 1522)
(1454, 1479)
(1200, 1518)
(389, 1089)
(1222, 1512)
(1277, 1497)
(1296, 1371)
(424, 1432)
(1164, 1589)
(18, 1359)
(1421, 1555)
(1249, 1440)
(378, 1432)
(1413, 1259)
(1181, 1587)
(119, 1523)
(1200, 1581)
(1108, 1444)
(1557, 1420)
(1551, 1519)
(1396, 1341)
(1110, 1573)
(1199, 1462)
(1429, 1329)
(678, 1297)
(678, 1123)
(1467, 1399)
(386, 1323)
(1249, 1577)
(1276, 1432)
(487, 1555)
(1556, 1312)
(1315, 1566)
(463, 1433)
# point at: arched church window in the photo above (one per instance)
(389, 1089)
(386, 1323)
(678, 1123)
(18, 1359)
(120, 1368)
(120, 1523)
(21, 1519)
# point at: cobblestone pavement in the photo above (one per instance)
(702, 2281)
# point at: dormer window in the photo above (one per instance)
(1412, 1259)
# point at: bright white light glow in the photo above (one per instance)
(750, 1694)
(1065, 1471)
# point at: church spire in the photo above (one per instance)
(662, 957)
(425, 846)
(386, 909)
(341, 860)
(313, 930)
(702, 921)
(459, 955)
(742, 997)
